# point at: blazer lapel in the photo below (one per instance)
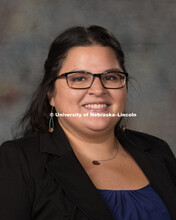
(155, 170)
(71, 176)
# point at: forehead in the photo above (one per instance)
(90, 58)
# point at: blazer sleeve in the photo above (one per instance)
(15, 202)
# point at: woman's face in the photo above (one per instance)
(94, 59)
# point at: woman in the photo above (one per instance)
(85, 166)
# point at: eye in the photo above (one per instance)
(78, 77)
(112, 77)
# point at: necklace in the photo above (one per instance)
(97, 162)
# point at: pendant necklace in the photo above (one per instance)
(97, 162)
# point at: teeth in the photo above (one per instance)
(96, 106)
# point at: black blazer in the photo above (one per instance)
(41, 178)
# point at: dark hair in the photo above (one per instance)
(36, 117)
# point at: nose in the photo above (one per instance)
(97, 87)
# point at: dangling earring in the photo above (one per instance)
(124, 124)
(123, 128)
(51, 121)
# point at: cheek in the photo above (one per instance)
(120, 99)
(68, 100)
(123, 97)
(120, 95)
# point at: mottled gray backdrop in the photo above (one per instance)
(145, 28)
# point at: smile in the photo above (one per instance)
(96, 106)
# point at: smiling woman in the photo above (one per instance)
(94, 98)
(74, 167)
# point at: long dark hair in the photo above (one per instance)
(36, 117)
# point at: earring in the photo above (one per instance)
(123, 128)
(51, 121)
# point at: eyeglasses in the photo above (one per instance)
(84, 80)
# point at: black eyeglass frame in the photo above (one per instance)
(94, 75)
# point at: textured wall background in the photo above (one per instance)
(146, 30)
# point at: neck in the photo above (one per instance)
(100, 146)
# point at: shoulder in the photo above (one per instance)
(145, 141)
(143, 137)
(20, 145)
(151, 146)
(23, 154)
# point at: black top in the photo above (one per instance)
(41, 178)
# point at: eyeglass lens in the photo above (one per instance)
(84, 80)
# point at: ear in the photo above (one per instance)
(51, 99)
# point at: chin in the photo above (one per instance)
(100, 125)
